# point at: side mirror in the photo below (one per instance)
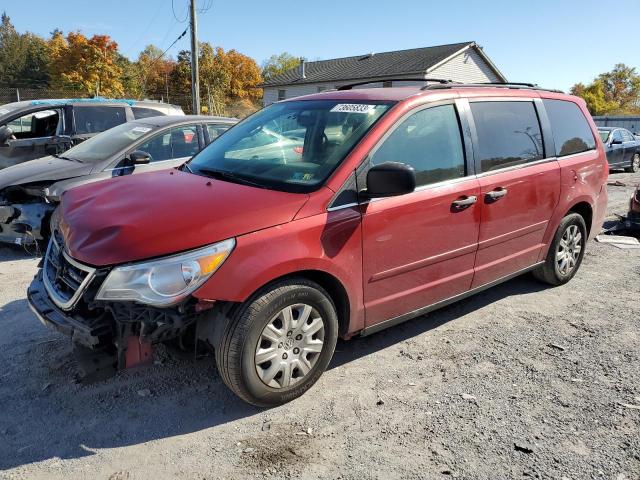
(390, 179)
(616, 141)
(139, 157)
(5, 134)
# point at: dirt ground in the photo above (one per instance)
(519, 381)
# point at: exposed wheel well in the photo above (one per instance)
(585, 211)
(334, 288)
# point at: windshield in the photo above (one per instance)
(290, 146)
(108, 143)
(604, 134)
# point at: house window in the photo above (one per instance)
(387, 84)
(281, 95)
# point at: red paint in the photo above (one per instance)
(154, 214)
(138, 353)
(391, 256)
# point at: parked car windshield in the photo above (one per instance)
(108, 143)
(291, 146)
(604, 134)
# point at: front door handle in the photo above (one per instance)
(496, 194)
(465, 202)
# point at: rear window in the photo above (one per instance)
(216, 130)
(508, 134)
(140, 112)
(571, 131)
(98, 119)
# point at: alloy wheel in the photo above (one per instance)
(635, 163)
(289, 345)
(568, 251)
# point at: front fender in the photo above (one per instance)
(329, 243)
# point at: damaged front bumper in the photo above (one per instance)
(87, 333)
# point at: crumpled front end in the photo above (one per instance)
(24, 214)
(106, 336)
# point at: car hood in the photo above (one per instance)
(161, 213)
(42, 170)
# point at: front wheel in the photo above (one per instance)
(635, 164)
(565, 252)
(275, 347)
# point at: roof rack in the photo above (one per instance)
(512, 85)
(349, 86)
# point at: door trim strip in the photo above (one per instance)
(443, 303)
(392, 272)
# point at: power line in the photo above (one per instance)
(176, 17)
(144, 83)
(204, 10)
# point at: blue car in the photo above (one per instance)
(622, 147)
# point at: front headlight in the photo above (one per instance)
(165, 281)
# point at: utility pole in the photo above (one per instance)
(195, 82)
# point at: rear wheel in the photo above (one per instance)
(635, 164)
(565, 252)
(277, 345)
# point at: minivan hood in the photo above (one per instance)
(154, 214)
(42, 170)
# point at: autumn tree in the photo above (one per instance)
(154, 71)
(277, 64)
(90, 65)
(229, 79)
(614, 92)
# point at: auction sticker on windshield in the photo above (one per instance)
(353, 108)
(141, 130)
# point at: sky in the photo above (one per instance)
(552, 43)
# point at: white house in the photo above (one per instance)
(460, 62)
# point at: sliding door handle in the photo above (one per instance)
(496, 194)
(464, 202)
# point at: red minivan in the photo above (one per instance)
(335, 214)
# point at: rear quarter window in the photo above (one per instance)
(141, 112)
(571, 131)
(98, 119)
(508, 134)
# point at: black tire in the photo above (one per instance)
(236, 347)
(635, 164)
(550, 272)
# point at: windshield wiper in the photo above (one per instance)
(228, 176)
(62, 157)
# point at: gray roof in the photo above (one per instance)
(164, 120)
(379, 65)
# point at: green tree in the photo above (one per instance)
(24, 60)
(614, 92)
(277, 64)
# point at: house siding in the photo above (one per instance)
(467, 66)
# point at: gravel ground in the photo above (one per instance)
(519, 381)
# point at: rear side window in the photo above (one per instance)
(508, 134)
(571, 131)
(98, 119)
(140, 112)
(216, 130)
(626, 135)
(430, 142)
(179, 142)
